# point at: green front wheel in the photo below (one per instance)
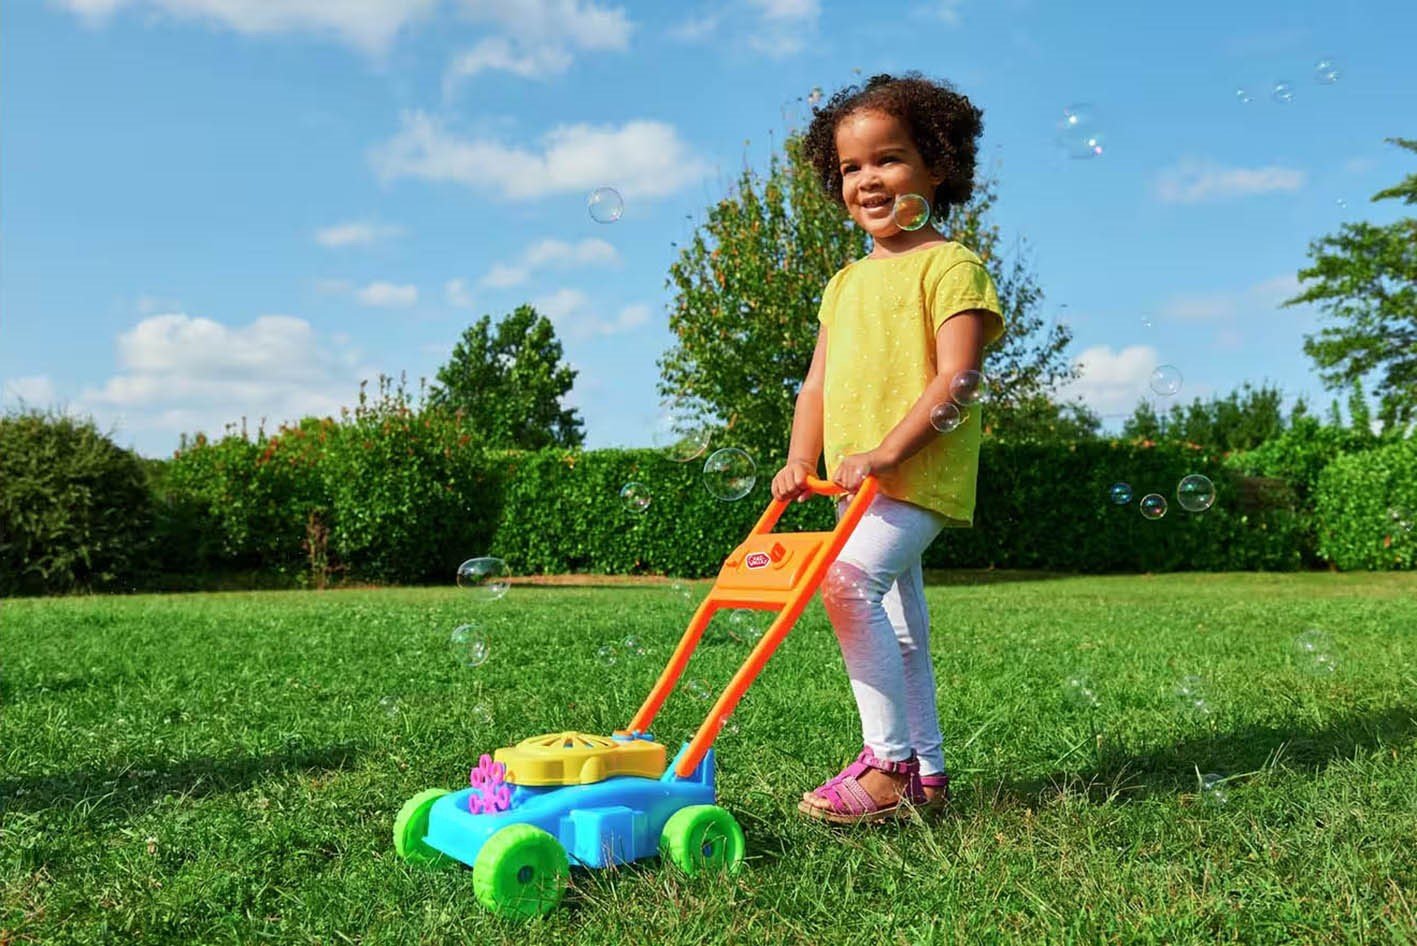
(411, 826)
(521, 872)
(703, 839)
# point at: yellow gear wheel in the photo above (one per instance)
(574, 758)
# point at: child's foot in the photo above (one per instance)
(867, 790)
(885, 789)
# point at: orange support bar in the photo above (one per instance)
(760, 586)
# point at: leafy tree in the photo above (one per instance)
(1365, 277)
(1243, 419)
(748, 286)
(509, 383)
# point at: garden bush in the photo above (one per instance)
(1365, 508)
(75, 512)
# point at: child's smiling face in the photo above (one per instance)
(879, 162)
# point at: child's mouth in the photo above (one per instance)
(875, 204)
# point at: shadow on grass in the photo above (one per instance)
(133, 789)
(1172, 769)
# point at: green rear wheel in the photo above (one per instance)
(521, 872)
(410, 827)
(703, 839)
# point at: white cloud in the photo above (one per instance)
(537, 39)
(456, 293)
(355, 233)
(1193, 180)
(640, 159)
(772, 28)
(1264, 296)
(548, 254)
(183, 374)
(568, 310)
(368, 25)
(35, 390)
(387, 295)
(1111, 381)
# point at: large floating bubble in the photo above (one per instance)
(911, 211)
(605, 205)
(970, 387)
(1195, 493)
(946, 417)
(1213, 790)
(470, 644)
(1326, 71)
(729, 474)
(1078, 132)
(635, 497)
(1166, 380)
(485, 577)
(679, 433)
(1153, 505)
(1283, 92)
(1120, 493)
(1078, 692)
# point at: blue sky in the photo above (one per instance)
(217, 208)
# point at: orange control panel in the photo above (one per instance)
(771, 562)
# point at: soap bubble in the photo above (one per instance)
(1321, 664)
(470, 644)
(1190, 693)
(635, 497)
(1147, 323)
(1312, 641)
(680, 592)
(969, 387)
(1326, 71)
(1195, 493)
(1283, 92)
(845, 582)
(1401, 518)
(389, 705)
(1153, 505)
(911, 211)
(1078, 134)
(486, 577)
(729, 474)
(1342, 204)
(481, 714)
(1213, 790)
(1120, 493)
(633, 647)
(1166, 380)
(608, 655)
(1078, 692)
(698, 690)
(946, 417)
(605, 205)
(679, 433)
(745, 625)
(1242, 96)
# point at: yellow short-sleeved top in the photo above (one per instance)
(881, 317)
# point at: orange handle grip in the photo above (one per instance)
(824, 487)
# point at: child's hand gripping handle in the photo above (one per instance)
(820, 487)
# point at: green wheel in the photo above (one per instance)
(701, 839)
(410, 827)
(520, 872)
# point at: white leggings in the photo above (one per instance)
(875, 597)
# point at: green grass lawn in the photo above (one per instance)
(226, 767)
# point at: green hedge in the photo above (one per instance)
(1040, 506)
(75, 512)
(1365, 508)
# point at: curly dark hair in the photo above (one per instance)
(944, 125)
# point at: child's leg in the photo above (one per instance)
(886, 544)
(905, 605)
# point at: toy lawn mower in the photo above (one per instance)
(534, 809)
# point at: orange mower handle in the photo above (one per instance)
(785, 572)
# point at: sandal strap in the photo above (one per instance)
(847, 797)
(903, 767)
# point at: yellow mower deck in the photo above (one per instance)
(574, 758)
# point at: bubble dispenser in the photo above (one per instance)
(534, 810)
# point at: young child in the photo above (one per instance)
(896, 328)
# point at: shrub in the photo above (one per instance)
(1365, 508)
(74, 507)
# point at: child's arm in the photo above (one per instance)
(959, 346)
(805, 447)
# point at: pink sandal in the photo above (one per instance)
(940, 782)
(848, 803)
